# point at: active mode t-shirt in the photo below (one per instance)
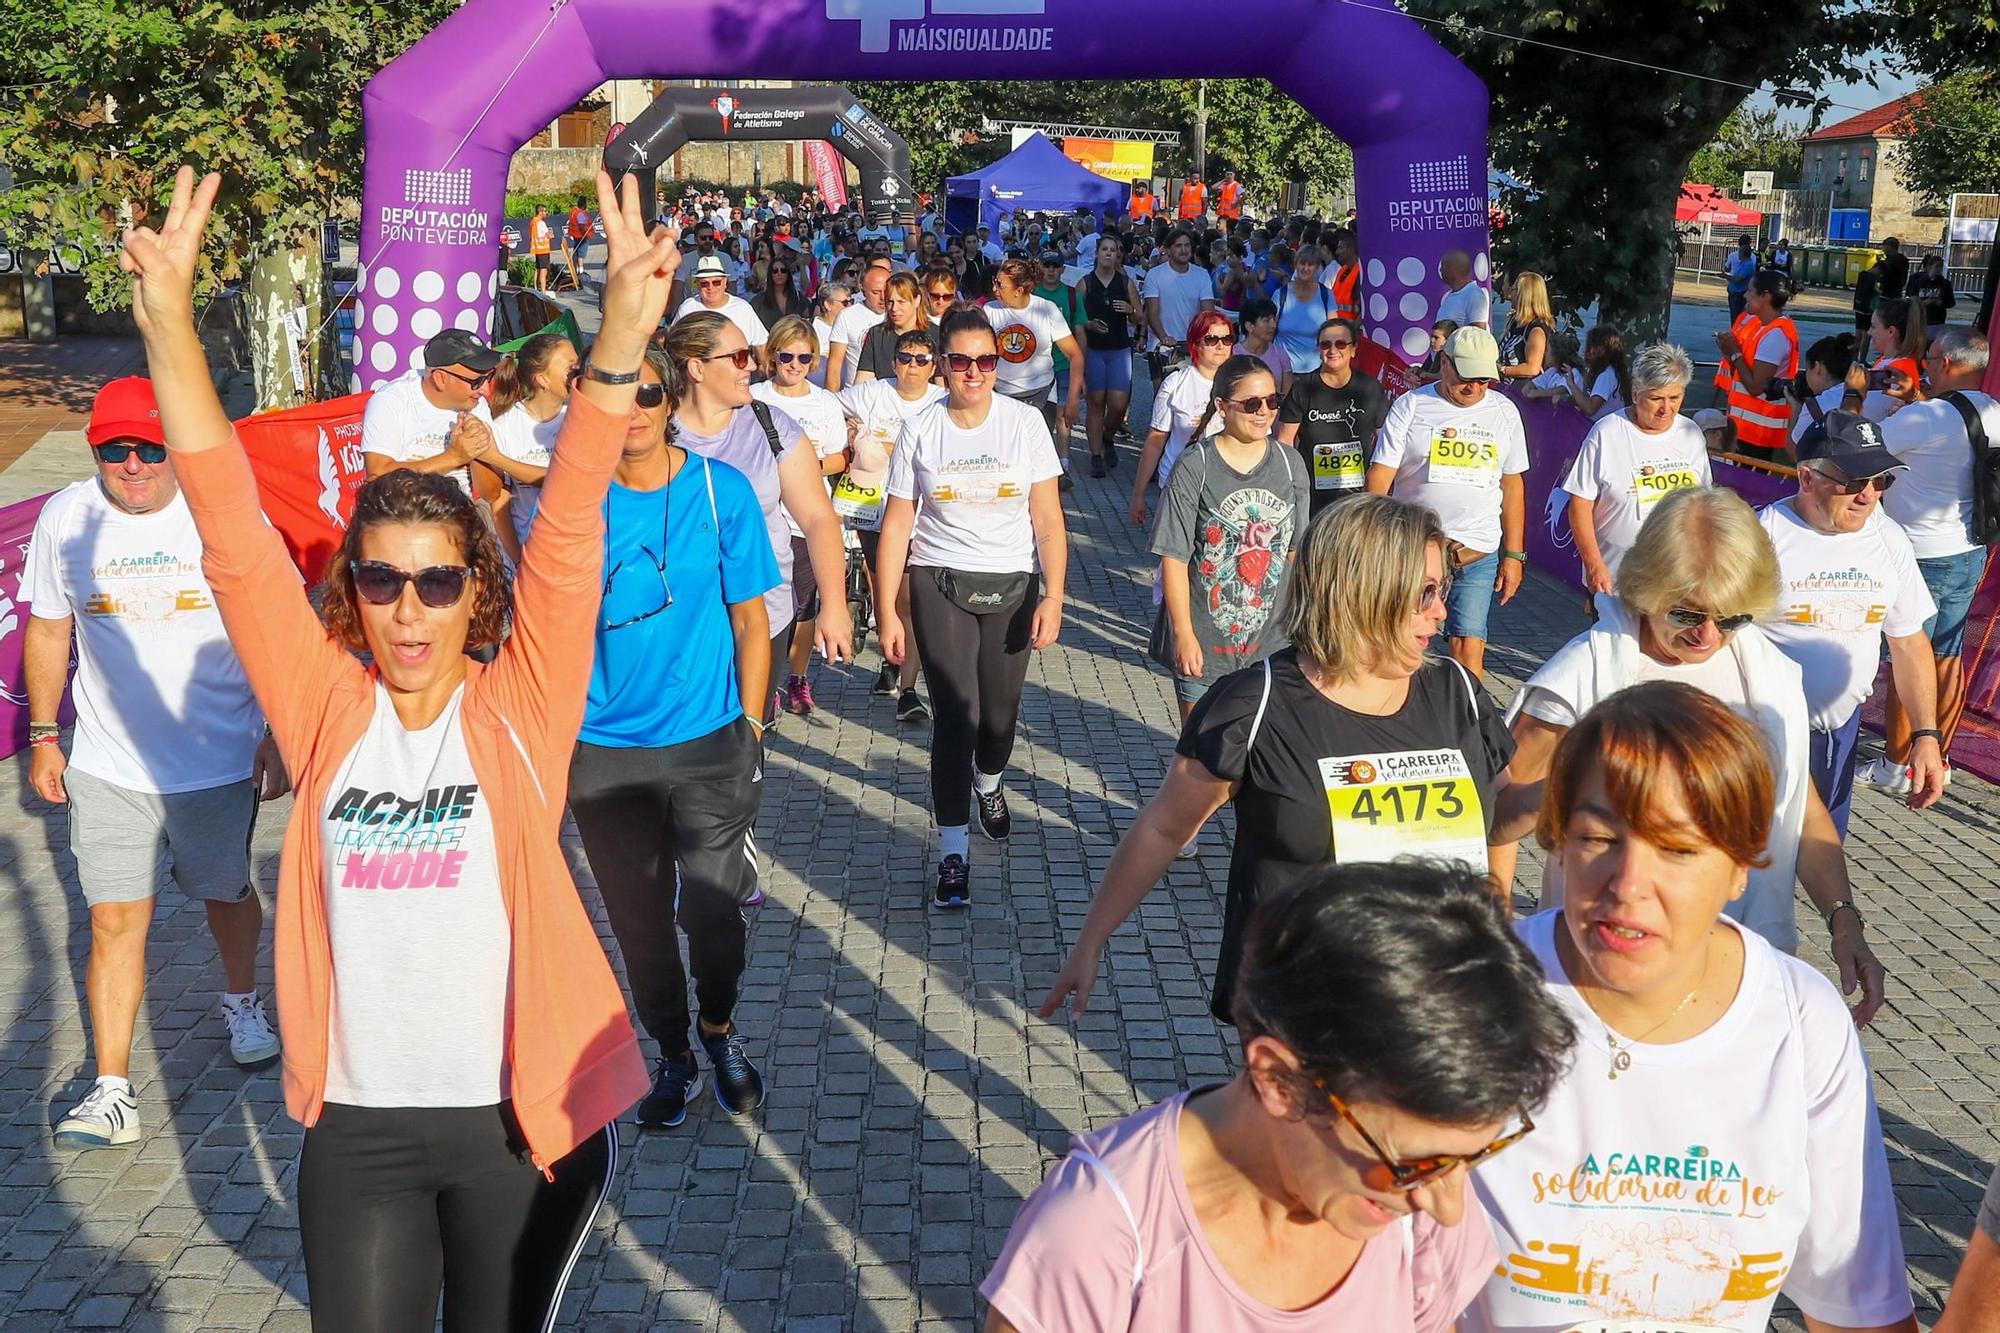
(1321, 783)
(1180, 296)
(1451, 458)
(971, 486)
(1074, 1251)
(1335, 426)
(161, 701)
(1624, 471)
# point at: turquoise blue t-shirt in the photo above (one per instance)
(669, 677)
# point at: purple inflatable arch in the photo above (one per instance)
(443, 120)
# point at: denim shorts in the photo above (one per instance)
(1189, 689)
(1107, 369)
(1471, 597)
(1952, 579)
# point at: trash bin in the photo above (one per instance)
(1858, 260)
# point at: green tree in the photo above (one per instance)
(1952, 138)
(1749, 140)
(1603, 144)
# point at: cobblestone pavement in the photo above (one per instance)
(913, 1101)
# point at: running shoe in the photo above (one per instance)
(954, 884)
(798, 695)
(885, 679)
(1885, 776)
(910, 708)
(1064, 481)
(252, 1043)
(107, 1115)
(994, 820)
(1096, 466)
(739, 1088)
(1111, 452)
(676, 1080)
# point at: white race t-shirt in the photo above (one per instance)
(852, 325)
(820, 418)
(736, 310)
(1842, 593)
(971, 486)
(882, 411)
(1708, 1176)
(1933, 499)
(415, 920)
(1720, 677)
(1176, 407)
(1624, 472)
(162, 704)
(1027, 339)
(1451, 459)
(1605, 389)
(1470, 304)
(1180, 296)
(526, 440)
(399, 423)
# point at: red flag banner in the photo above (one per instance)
(829, 175)
(308, 466)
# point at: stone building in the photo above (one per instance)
(1852, 164)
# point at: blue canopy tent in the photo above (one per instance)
(1034, 178)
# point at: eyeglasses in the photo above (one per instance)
(793, 358)
(119, 452)
(438, 586)
(740, 358)
(1689, 618)
(1851, 485)
(942, 296)
(1218, 340)
(1255, 402)
(959, 363)
(1416, 1172)
(650, 396)
(1336, 344)
(711, 282)
(1434, 593)
(914, 359)
(474, 382)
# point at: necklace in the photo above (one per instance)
(1621, 1053)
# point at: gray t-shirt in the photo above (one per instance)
(1237, 532)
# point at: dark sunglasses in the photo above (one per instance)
(959, 363)
(1844, 485)
(118, 453)
(1415, 1172)
(1340, 344)
(474, 382)
(914, 358)
(438, 586)
(1688, 618)
(793, 358)
(711, 282)
(740, 358)
(1256, 403)
(1218, 340)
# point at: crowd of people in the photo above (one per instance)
(1636, 1105)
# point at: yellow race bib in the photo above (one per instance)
(1654, 482)
(1406, 803)
(860, 506)
(1465, 456)
(1337, 467)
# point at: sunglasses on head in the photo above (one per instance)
(1218, 340)
(960, 363)
(1256, 403)
(1689, 618)
(438, 586)
(1854, 485)
(1336, 344)
(914, 359)
(120, 451)
(740, 358)
(1415, 1172)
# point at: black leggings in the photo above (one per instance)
(644, 812)
(399, 1203)
(975, 666)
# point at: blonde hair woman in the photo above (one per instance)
(1524, 345)
(902, 311)
(1354, 744)
(1690, 592)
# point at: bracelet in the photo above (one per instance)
(44, 740)
(602, 376)
(1835, 910)
(1915, 736)
(1521, 556)
(37, 730)
(755, 723)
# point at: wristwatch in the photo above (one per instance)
(603, 376)
(1844, 905)
(1521, 556)
(1931, 732)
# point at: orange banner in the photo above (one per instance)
(1120, 161)
(308, 466)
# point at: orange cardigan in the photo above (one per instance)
(575, 1063)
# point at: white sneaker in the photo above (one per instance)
(252, 1043)
(1885, 776)
(107, 1115)
(1948, 770)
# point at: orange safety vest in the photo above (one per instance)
(1746, 329)
(1143, 206)
(540, 236)
(1191, 199)
(1764, 423)
(1229, 199)
(1347, 291)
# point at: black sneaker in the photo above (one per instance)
(910, 708)
(1096, 466)
(676, 1080)
(1111, 454)
(739, 1088)
(994, 820)
(885, 679)
(954, 884)
(1065, 482)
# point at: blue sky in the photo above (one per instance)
(1852, 97)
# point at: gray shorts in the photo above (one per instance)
(127, 842)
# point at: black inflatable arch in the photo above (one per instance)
(725, 115)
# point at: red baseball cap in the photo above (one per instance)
(125, 409)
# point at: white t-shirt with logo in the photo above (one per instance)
(1842, 593)
(851, 327)
(1176, 407)
(971, 486)
(1624, 472)
(526, 440)
(1027, 339)
(1470, 304)
(1451, 459)
(161, 701)
(401, 424)
(1933, 499)
(416, 921)
(1180, 296)
(820, 418)
(882, 411)
(1707, 1177)
(736, 310)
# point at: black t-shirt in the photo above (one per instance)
(1402, 775)
(1933, 294)
(1336, 430)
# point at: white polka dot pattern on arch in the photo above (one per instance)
(382, 355)
(468, 320)
(417, 357)
(1480, 268)
(1378, 307)
(426, 323)
(1382, 336)
(1416, 342)
(468, 287)
(387, 282)
(1410, 270)
(1414, 307)
(384, 319)
(427, 286)
(1377, 275)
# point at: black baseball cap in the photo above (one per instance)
(456, 347)
(1853, 444)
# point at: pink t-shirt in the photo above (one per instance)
(1070, 1258)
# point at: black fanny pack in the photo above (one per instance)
(983, 594)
